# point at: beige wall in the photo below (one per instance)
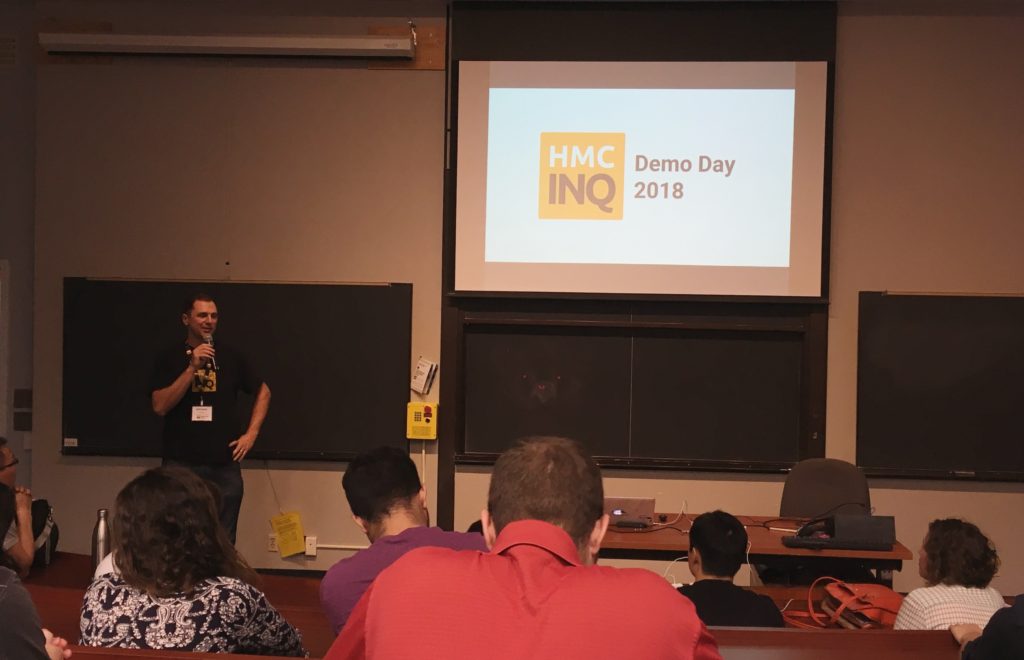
(289, 172)
(16, 206)
(333, 173)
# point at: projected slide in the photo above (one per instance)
(639, 176)
(677, 178)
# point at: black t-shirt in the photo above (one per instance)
(204, 442)
(722, 603)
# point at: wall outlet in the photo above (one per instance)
(272, 543)
(311, 546)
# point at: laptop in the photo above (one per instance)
(636, 512)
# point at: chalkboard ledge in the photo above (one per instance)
(654, 463)
(943, 475)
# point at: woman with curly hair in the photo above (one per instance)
(181, 583)
(957, 562)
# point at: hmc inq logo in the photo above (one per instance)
(581, 175)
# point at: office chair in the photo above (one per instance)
(815, 488)
(819, 487)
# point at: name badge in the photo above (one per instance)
(202, 413)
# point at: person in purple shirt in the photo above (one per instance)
(389, 504)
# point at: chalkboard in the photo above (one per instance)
(547, 382)
(336, 358)
(637, 394)
(940, 387)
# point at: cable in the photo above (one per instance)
(651, 529)
(266, 466)
(868, 510)
(669, 567)
(767, 524)
(423, 461)
(675, 520)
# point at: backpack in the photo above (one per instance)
(45, 532)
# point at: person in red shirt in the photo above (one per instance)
(538, 593)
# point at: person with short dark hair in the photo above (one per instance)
(195, 389)
(957, 562)
(538, 593)
(388, 503)
(181, 584)
(718, 547)
(18, 542)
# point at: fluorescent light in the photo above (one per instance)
(258, 45)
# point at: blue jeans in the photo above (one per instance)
(228, 490)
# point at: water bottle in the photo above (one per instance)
(100, 538)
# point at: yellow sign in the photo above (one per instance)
(581, 176)
(421, 421)
(291, 540)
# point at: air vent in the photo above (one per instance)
(237, 44)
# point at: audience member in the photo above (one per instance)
(957, 563)
(21, 636)
(537, 594)
(18, 541)
(388, 502)
(182, 585)
(106, 565)
(1002, 638)
(718, 546)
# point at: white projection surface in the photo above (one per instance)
(641, 178)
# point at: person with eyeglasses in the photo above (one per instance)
(21, 634)
(18, 542)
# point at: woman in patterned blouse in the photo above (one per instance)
(182, 585)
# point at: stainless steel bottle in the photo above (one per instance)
(100, 538)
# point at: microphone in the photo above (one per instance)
(209, 342)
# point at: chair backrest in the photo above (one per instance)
(823, 486)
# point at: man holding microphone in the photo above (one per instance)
(195, 389)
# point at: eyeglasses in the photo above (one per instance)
(14, 461)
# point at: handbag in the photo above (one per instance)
(858, 606)
(45, 533)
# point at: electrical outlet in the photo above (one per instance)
(272, 543)
(311, 546)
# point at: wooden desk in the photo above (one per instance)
(96, 652)
(672, 541)
(791, 644)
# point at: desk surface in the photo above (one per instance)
(790, 644)
(671, 540)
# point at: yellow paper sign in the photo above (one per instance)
(291, 540)
(421, 421)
